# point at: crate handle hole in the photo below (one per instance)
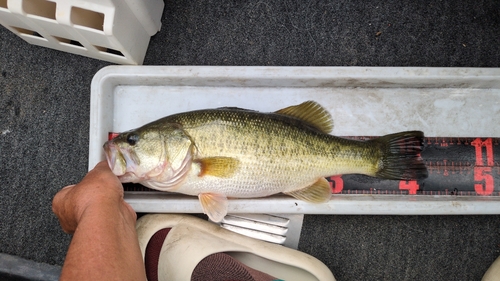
(41, 8)
(25, 31)
(109, 51)
(67, 41)
(87, 18)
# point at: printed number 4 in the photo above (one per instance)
(411, 186)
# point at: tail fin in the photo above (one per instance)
(401, 156)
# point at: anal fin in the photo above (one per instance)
(214, 205)
(318, 192)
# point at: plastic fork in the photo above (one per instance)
(283, 229)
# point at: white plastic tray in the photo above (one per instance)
(450, 102)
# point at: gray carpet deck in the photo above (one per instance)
(44, 118)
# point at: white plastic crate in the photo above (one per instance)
(117, 31)
(453, 102)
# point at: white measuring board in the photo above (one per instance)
(363, 101)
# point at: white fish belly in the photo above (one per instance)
(250, 182)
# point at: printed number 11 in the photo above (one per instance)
(482, 173)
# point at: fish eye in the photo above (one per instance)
(132, 139)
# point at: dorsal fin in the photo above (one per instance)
(312, 113)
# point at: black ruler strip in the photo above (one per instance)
(457, 166)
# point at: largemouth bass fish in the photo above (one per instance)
(232, 152)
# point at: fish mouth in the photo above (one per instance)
(110, 151)
(125, 164)
(115, 158)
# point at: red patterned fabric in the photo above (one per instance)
(223, 267)
(217, 267)
(152, 254)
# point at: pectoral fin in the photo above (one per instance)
(319, 192)
(214, 205)
(222, 167)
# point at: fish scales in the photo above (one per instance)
(277, 153)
